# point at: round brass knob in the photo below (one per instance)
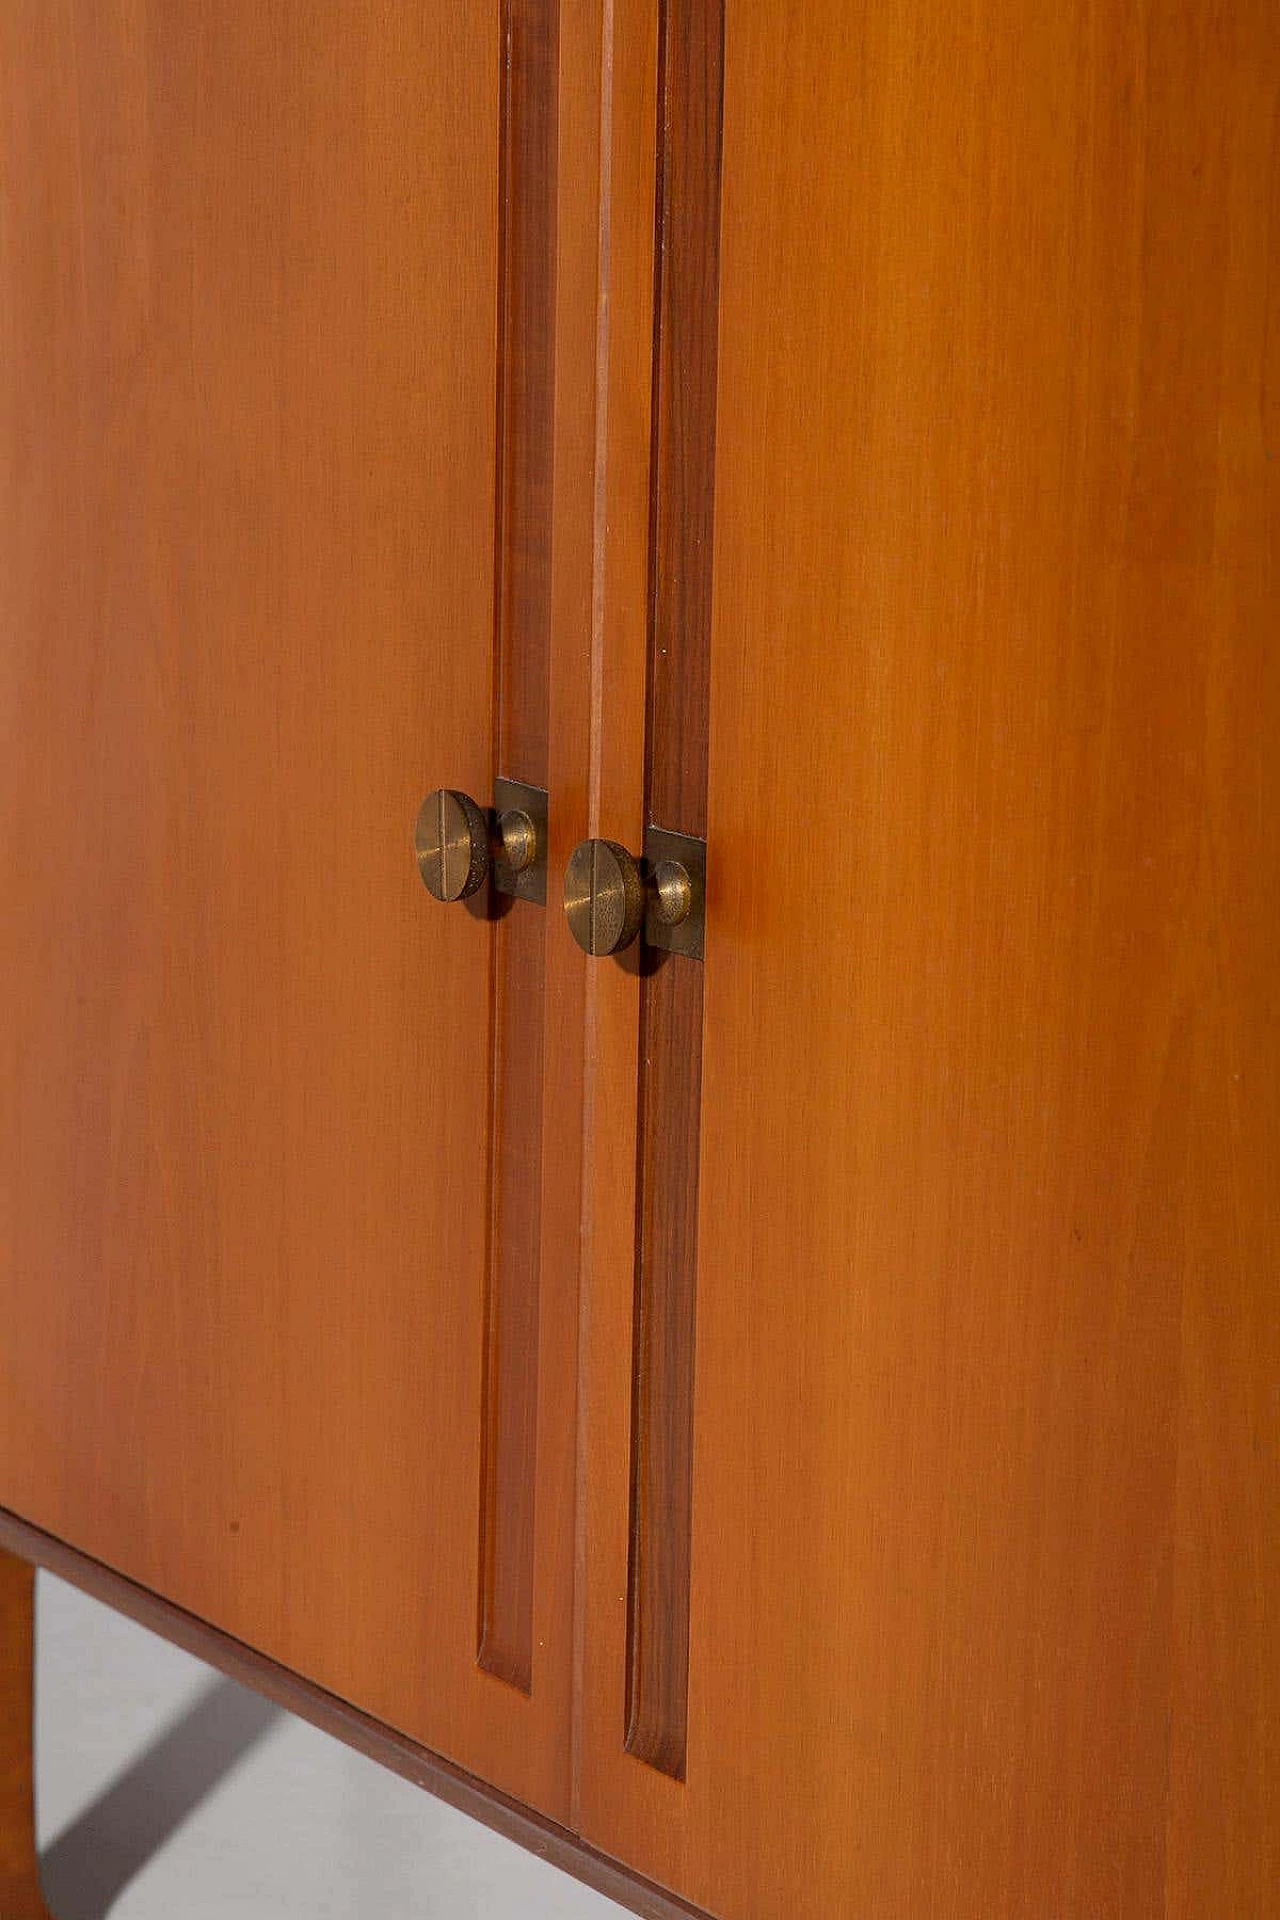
(673, 893)
(519, 839)
(452, 844)
(604, 897)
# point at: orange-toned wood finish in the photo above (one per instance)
(20, 1895)
(986, 1493)
(248, 402)
(981, 1533)
(473, 1796)
(522, 666)
(686, 254)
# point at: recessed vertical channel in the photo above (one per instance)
(690, 84)
(522, 645)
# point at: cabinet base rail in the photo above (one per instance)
(24, 1547)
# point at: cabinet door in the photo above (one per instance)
(276, 1339)
(933, 1513)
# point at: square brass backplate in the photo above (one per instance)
(685, 850)
(512, 796)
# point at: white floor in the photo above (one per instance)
(168, 1793)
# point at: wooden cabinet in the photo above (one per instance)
(804, 1421)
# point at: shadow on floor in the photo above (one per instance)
(91, 1863)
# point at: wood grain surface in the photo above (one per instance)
(986, 1499)
(690, 81)
(522, 666)
(663, 1363)
(509, 1412)
(471, 1795)
(682, 483)
(20, 1895)
(247, 537)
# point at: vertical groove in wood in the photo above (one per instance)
(20, 1895)
(686, 294)
(662, 1408)
(526, 386)
(522, 646)
(510, 1403)
(690, 80)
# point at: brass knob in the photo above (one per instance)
(452, 844)
(604, 897)
(610, 896)
(519, 836)
(672, 893)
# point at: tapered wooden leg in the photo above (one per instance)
(20, 1895)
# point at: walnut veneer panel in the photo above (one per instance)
(986, 1496)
